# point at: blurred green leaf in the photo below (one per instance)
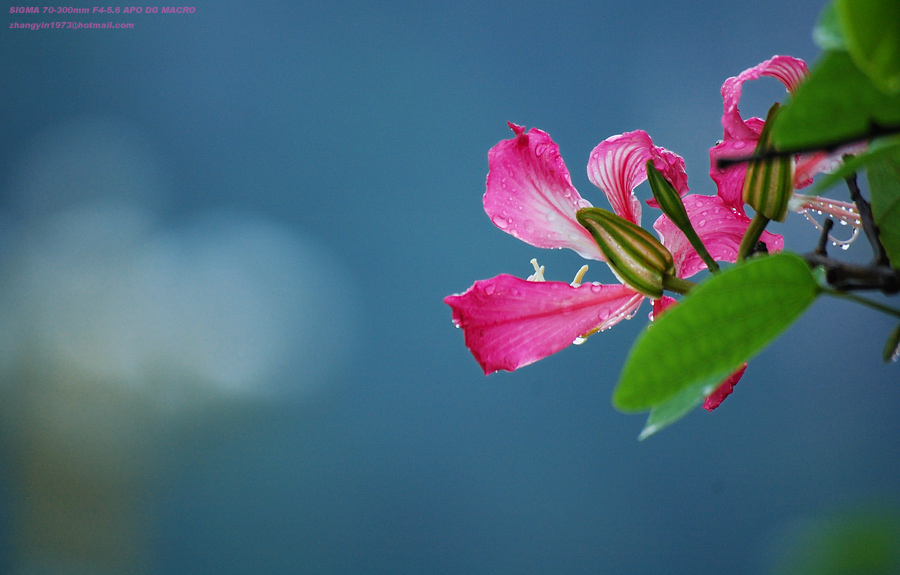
(861, 543)
(827, 33)
(884, 190)
(720, 325)
(835, 104)
(871, 32)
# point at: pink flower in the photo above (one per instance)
(740, 138)
(508, 322)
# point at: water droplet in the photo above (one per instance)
(489, 289)
(500, 222)
(539, 149)
(843, 222)
(579, 340)
(596, 288)
(739, 145)
(529, 226)
(845, 247)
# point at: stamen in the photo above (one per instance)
(579, 276)
(844, 212)
(583, 337)
(844, 244)
(538, 275)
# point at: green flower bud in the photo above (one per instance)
(637, 258)
(769, 183)
(671, 204)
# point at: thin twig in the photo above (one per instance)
(853, 277)
(868, 221)
(875, 131)
(823, 239)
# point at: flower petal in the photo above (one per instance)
(719, 227)
(790, 71)
(730, 180)
(618, 165)
(724, 390)
(510, 322)
(529, 194)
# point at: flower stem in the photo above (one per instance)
(862, 301)
(751, 236)
(678, 285)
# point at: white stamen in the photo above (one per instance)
(538, 275)
(579, 276)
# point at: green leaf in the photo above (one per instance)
(871, 31)
(836, 104)
(884, 189)
(673, 409)
(877, 149)
(827, 34)
(861, 542)
(719, 326)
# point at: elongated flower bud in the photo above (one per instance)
(671, 204)
(637, 258)
(769, 183)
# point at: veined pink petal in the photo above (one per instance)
(529, 194)
(720, 229)
(790, 71)
(724, 390)
(618, 165)
(510, 322)
(730, 180)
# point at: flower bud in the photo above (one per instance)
(769, 183)
(672, 205)
(637, 258)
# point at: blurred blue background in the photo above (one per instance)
(247, 217)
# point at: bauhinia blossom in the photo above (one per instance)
(741, 136)
(508, 322)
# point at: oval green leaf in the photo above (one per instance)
(720, 325)
(835, 105)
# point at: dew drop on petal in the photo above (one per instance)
(489, 289)
(500, 222)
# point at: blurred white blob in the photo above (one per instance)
(114, 326)
(227, 302)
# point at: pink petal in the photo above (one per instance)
(730, 180)
(618, 165)
(660, 305)
(724, 390)
(529, 194)
(720, 229)
(790, 71)
(510, 322)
